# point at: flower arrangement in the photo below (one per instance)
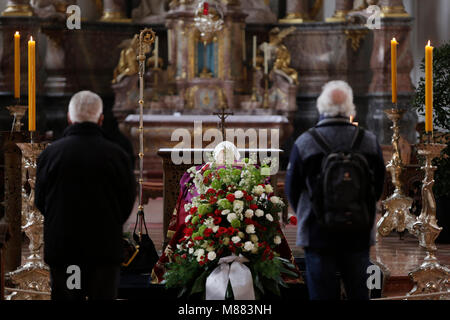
(235, 213)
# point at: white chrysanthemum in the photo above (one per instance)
(236, 239)
(212, 255)
(254, 238)
(250, 229)
(238, 206)
(249, 213)
(188, 217)
(275, 200)
(232, 216)
(187, 207)
(269, 217)
(191, 250)
(259, 213)
(199, 252)
(277, 240)
(225, 212)
(269, 188)
(258, 190)
(238, 194)
(200, 258)
(248, 246)
(215, 229)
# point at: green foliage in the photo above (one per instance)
(441, 111)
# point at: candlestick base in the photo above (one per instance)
(430, 277)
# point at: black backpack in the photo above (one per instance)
(343, 196)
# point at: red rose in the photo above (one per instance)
(293, 220)
(231, 231)
(222, 230)
(220, 192)
(253, 206)
(202, 263)
(198, 238)
(184, 256)
(218, 212)
(202, 196)
(248, 198)
(205, 181)
(188, 232)
(231, 197)
(244, 192)
(211, 190)
(193, 210)
(207, 232)
(248, 221)
(217, 220)
(212, 200)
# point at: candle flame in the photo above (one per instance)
(31, 38)
(429, 43)
(393, 39)
(17, 33)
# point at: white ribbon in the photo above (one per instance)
(239, 276)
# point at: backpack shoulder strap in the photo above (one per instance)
(320, 140)
(357, 139)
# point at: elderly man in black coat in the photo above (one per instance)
(326, 252)
(85, 189)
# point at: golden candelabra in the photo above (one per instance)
(398, 205)
(17, 111)
(32, 278)
(430, 276)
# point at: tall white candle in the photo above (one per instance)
(156, 52)
(254, 51)
(266, 58)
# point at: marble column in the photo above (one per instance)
(296, 12)
(114, 11)
(18, 8)
(392, 8)
(343, 7)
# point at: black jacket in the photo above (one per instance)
(305, 163)
(85, 188)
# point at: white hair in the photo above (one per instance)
(331, 106)
(85, 106)
(230, 152)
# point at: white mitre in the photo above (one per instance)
(226, 152)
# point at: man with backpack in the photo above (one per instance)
(334, 179)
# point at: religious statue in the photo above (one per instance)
(128, 64)
(150, 11)
(225, 154)
(280, 57)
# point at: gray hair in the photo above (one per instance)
(85, 106)
(336, 99)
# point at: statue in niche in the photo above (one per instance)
(258, 12)
(51, 8)
(280, 57)
(128, 64)
(150, 11)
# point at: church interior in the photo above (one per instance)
(167, 73)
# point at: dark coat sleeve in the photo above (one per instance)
(41, 182)
(294, 178)
(127, 187)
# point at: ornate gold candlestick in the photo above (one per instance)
(17, 112)
(398, 205)
(430, 277)
(32, 279)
